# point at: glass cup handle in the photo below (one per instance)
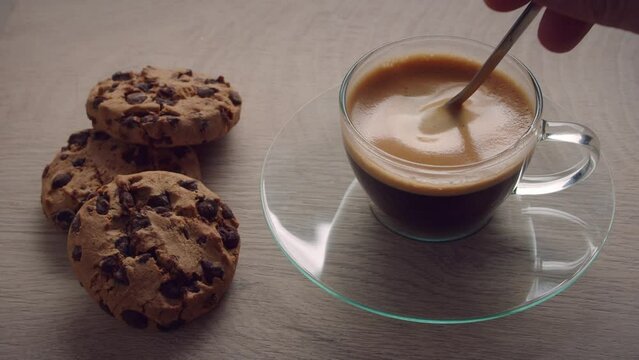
(568, 133)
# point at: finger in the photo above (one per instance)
(621, 14)
(505, 5)
(560, 33)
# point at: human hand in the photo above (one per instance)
(566, 22)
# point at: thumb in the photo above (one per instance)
(622, 14)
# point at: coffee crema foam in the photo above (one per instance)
(399, 108)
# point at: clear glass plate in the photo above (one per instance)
(533, 248)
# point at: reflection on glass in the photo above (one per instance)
(549, 271)
(549, 266)
(309, 253)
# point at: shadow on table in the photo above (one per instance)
(94, 334)
(52, 244)
(215, 155)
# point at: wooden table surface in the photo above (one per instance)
(280, 54)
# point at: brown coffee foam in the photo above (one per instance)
(464, 139)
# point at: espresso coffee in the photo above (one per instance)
(399, 108)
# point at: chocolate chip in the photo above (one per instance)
(75, 225)
(171, 326)
(130, 121)
(178, 284)
(126, 199)
(162, 101)
(102, 205)
(78, 162)
(235, 98)
(220, 79)
(188, 72)
(142, 259)
(97, 101)
(120, 276)
(45, 172)
(166, 92)
(90, 195)
(165, 95)
(150, 118)
(135, 98)
(145, 86)
(192, 285)
(185, 232)
(173, 121)
(121, 76)
(158, 201)
(229, 236)
(204, 124)
(79, 138)
(207, 209)
(181, 151)
(112, 267)
(139, 222)
(64, 156)
(101, 135)
(104, 307)
(138, 155)
(164, 211)
(188, 184)
(113, 87)
(125, 246)
(210, 301)
(60, 180)
(63, 218)
(172, 289)
(206, 92)
(210, 271)
(201, 240)
(226, 212)
(135, 319)
(226, 114)
(76, 254)
(210, 81)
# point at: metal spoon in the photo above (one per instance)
(500, 51)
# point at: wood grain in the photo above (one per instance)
(280, 54)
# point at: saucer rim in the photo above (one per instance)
(563, 286)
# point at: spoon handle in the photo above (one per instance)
(500, 51)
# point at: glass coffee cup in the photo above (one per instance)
(445, 202)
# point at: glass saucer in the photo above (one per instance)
(533, 248)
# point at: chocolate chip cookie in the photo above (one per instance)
(164, 108)
(155, 249)
(91, 159)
